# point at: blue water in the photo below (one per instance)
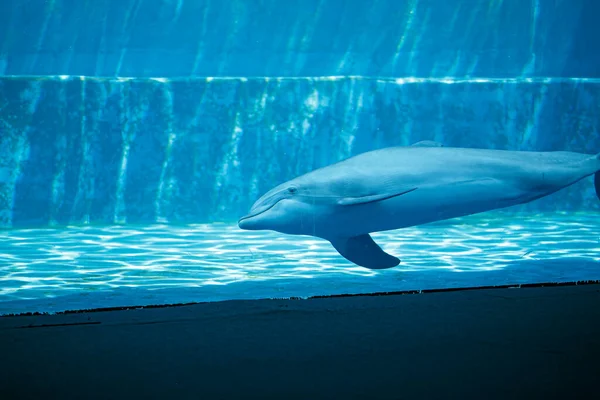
(134, 134)
(91, 267)
(423, 38)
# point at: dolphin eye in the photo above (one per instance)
(292, 190)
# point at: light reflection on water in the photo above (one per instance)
(407, 80)
(161, 263)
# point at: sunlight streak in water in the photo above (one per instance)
(41, 263)
(160, 195)
(127, 135)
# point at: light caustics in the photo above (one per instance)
(380, 79)
(493, 249)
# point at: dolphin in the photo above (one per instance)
(399, 187)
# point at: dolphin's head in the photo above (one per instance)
(286, 208)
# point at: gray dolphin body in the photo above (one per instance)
(398, 187)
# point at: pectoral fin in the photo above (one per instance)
(349, 201)
(363, 251)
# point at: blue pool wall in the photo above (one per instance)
(245, 96)
(431, 38)
(78, 151)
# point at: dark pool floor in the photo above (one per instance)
(49, 270)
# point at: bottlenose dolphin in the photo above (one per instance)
(398, 187)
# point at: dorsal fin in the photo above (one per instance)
(427, 143)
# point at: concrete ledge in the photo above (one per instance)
(482, 344)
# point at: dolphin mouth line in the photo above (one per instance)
(257, 213)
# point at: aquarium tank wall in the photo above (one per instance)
(134, 135)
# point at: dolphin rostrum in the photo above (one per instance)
(398, 187)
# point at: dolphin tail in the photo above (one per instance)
(363, 251)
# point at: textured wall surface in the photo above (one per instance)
(103, 151)
(500, 38)
(197, 149)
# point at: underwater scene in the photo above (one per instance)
(178, 151)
